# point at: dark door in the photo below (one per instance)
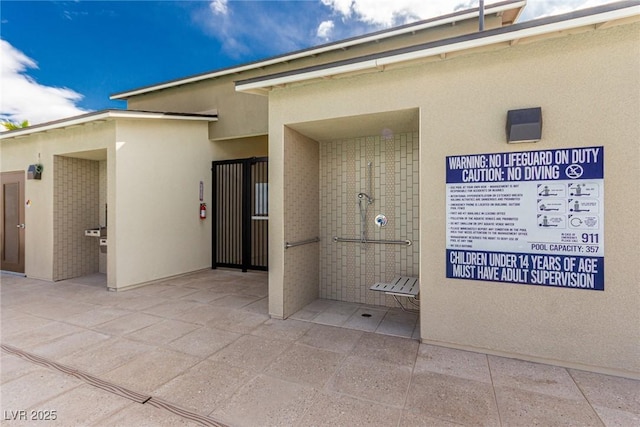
(12, 220)
(240, 214)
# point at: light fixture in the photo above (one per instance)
(35, 171)
(524, 125)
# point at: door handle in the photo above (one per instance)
(20, 225)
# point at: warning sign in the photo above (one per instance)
(531, 217)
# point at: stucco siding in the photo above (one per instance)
(159, 166)
(241, 148)
(139, 177)
(18, 154)
(301, 214)
(239, 114)
(583, 84)
(246, 115)
(587, 85)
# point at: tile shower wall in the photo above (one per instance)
(75, 204)
(347, 270)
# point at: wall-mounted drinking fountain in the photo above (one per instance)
(101, 234)
(96, 232)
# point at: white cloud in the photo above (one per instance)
(385, 13)
(343, 7)
(324, 30)
(219, 7)
(25, 99)
(542, 8)
(223, 25)
(254, 29)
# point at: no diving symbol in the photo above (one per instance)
(574, 171)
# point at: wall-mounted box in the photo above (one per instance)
(524, 125)
(34, 172)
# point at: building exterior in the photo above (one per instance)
(414, 117)
(104, 170)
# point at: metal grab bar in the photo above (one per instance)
(288, 245)
(384, 242)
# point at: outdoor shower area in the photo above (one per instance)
(356, 189)
(80, 214)
(368, 193)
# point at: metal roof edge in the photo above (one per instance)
(379, 60)
(102, 115)
(341, 44)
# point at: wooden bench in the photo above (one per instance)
(401, 286)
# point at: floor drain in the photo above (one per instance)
(366, 315)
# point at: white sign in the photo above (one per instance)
(532, 217)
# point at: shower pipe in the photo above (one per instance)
(288, 245)
(363, 210)
(383, 242)
(370, 181)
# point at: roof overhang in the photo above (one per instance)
(104, 115)
(596, 18)
(509, 11)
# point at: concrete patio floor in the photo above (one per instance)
(201, 350)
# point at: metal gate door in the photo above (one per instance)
(240, 213)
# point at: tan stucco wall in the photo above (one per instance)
(159, 165)
(103, 216)
(302, 216)
(276, 220)
(241, 148)
(244, 115)
(587, 85)
(18, 154)
(147, 172)
(239, 114)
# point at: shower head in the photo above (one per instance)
(365, 196)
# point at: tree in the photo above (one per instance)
(9, 125)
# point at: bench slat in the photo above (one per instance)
(400, 285)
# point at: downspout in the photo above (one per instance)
(481, 16)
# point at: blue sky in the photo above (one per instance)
(63, 58)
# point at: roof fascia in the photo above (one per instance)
(550, 25)
(344, 44)
(100, 116)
